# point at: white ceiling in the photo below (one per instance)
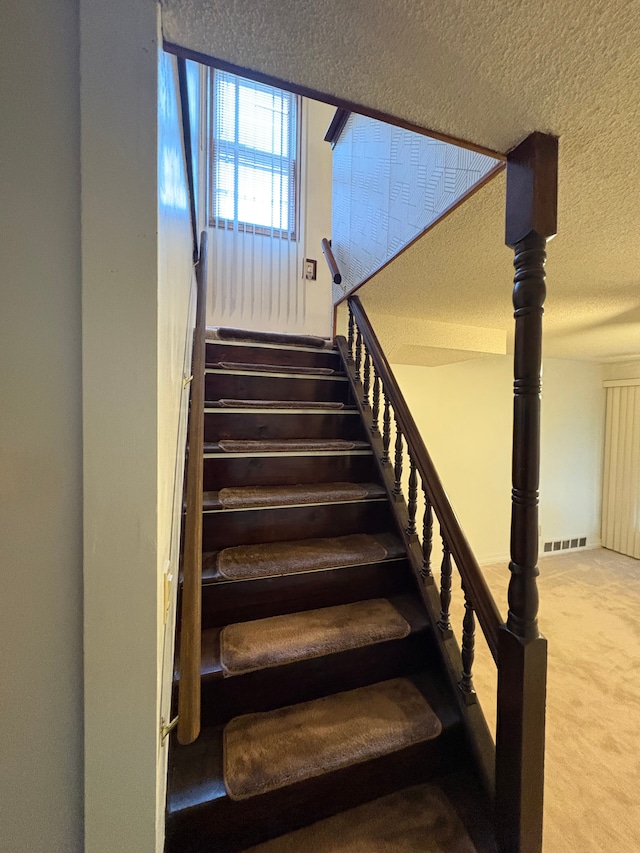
(490, 73)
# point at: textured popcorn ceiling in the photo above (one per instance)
(490, 73)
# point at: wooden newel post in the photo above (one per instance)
(531, 218)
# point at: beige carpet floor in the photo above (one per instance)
(590, 614)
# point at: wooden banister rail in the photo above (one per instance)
(456, 543)
(188, 153)
(340, 118)
(191, 617)
(331, 261)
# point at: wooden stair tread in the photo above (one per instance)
(263, 497)
(266, 751)
(202, 817)
(273, 559)
(278, 640)
(403, 605)
(316, 405)
(249, 336)
(289, 372)
(391, 823)
(235, 366)
(286, 445)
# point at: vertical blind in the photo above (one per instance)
(255, 240)
(621, 481)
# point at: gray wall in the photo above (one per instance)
(40, 430)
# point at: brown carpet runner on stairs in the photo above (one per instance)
(272, 368)
(231, 334)
(415, 820)
(266, 751)
(304, 555)
(278, 404)
(250, 497)
(287, 444)
(278, 640)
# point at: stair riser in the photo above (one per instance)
(270, 355)
(241, 601)
(303, 681)
(225, 825)
(219, 386)
(259, 425)
(224, 470)
(249, 527)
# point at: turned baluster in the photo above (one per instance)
(386, 430)
(427, 537)
(366, 385)
(412, 504)
(375, 413)
(397, 486)
(468, 647)
(358, 352)
(350, 333)
(444, 622)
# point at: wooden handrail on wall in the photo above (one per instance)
(477, 590)
(191, 617)
(327, 251)
(191, 612)
(188, 152)
(340, 118)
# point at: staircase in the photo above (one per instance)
(329, 722)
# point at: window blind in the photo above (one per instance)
(253, 162)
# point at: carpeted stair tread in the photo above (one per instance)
(279, 640)
(256, 497)
(286, 445)
(419, 819)
(272, 559)
(270, 368)
(270, 750)
(227, 403)
(232, 334)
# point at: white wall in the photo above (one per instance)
(176, 316)
(120, 317)
(40, 430)
(389, 185)
(464, 412)
(317, 170)
(573, 417)
(255, 282)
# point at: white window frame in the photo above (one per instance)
(235, 148)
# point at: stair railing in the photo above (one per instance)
(517, 647)
(396, 438)
(336, 277)
(191, 606)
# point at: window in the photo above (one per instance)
(252, 180)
